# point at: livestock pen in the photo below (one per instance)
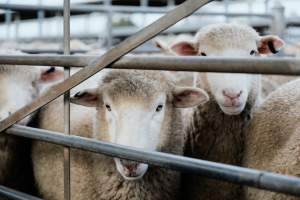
(112, 58)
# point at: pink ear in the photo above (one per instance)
(270, 44)
(50, 75)
(159, 44)
(88, 97)
(185, 97)
(184, 48)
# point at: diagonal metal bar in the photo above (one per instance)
(172, 17)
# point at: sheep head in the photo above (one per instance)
(20, 85)
(231, 91)
(137, 109)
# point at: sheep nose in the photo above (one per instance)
(232, 95)
(129, 165)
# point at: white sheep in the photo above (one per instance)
(216, 129)
(273, 139)
(19, 85)
(271, 82)
(133, 108)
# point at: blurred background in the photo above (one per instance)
(36, 26)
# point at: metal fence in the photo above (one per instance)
(274, 20)
(234, 174)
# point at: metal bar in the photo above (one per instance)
(8, 20)
(122, 9)
(267, 2)
(149, 49)
(171, 3)
(226, 8)
(143, 3)
(180, 12)
(109, 15)
(17, 25)
(293, 21)
(66, 43)
(15, 195)
(126, 32)
(51, 51)
(239, 175)
(283, 66)
(41, 16)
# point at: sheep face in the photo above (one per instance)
(231, 91)
(20, 85)
(136, 123)
(136, 109)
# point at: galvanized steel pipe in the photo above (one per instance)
(283, 66)
(15, 195)
(254, 178)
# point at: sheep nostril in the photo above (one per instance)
(232, 95)
(129, 165)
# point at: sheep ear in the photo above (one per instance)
(88, 97)
(51, 74)
(184, 48)
(185, 97)
(161, 45)
(269, 44)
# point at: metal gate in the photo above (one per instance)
(234, 174)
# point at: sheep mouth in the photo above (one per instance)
(130, 170)
(232, 110)
(132, 176)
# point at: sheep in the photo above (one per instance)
(133, 108)
(164, 43)
(216, 130)
(271, 82)
(272, 139)
(19, 85)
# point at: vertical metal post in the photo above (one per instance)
(41, 16)
(226, 10)
(278, 24)
(17, 26)
(109, 15)
(58, 17)
(144, 3)
(267, 5)
(7, 21)
(171, 3)
(250, 9)
(66, 40)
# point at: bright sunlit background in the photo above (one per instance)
(22, 21)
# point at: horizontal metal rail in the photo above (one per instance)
(120, 9)
(283, 66)
(51, 51)
(15, 195)
(79, 51)
(239, 175)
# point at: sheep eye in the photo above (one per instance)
(253, 52)
(108, 107)
(203, 54)
(159, 108)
